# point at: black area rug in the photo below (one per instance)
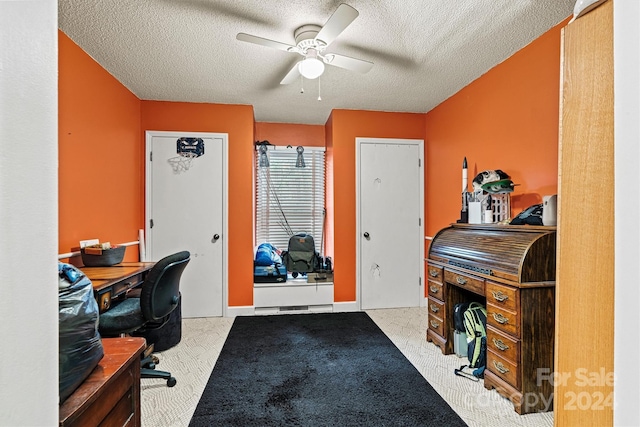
(328, 369)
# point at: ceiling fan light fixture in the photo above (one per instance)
(311, 67)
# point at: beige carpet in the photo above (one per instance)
(192, 361)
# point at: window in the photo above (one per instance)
(290, 200)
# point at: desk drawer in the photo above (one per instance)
(503, 320)
(125, 285)
(436, 324)
(503, 344)
(434, 273)
(465, 281)
(111, 401)
(436, 290)
(503, 368)
(436, 307)
(104, 301)
(503, 296)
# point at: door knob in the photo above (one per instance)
(215, 238)
(366, 235)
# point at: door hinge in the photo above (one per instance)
(419, 163)
(420, 222)
(420, 281)
(151, 156)
(150, 223)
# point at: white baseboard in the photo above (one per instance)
(246, 310)
(346, 306)
(251, 310)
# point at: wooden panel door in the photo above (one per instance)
(585, 257)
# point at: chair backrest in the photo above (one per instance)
(160, 292)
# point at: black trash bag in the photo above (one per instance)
(80, 346)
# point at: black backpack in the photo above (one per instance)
(301, 256)
(458, 316)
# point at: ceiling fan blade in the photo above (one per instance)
(341, 18)
(292, 75)
(266, 42)
(348, 63)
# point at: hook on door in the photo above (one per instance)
(215, 238)
(367, 236)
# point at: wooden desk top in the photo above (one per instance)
(119, 353)
(103, 277)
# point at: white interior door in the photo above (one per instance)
(390, 242)
(186, 211)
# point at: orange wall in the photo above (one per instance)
(290, 134)
(344, 127)
(237, 121)
(100, 177)
(507, 119)
(101, 161)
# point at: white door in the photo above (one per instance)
(390, 230)
(186, 211)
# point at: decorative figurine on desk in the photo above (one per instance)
(464, 213)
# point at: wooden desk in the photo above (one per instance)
(511, 269)
(113, 281)
(110, 395)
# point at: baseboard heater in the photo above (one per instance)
(294, 309)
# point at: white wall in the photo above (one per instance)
(28, 213)
(626, 48)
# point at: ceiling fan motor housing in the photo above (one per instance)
(305, 38)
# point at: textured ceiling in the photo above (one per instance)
(423, 51)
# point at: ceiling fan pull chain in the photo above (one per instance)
(301, 84)
(319, 98)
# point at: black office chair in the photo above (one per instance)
(159, 297)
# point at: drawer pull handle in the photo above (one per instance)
(434, 308)
(433, 289)
(500, 367)
(434, 324)
(499, 296)
(461, 280)
(500, 318)
(433, 273)
(500, 345)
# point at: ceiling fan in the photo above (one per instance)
(311, 42)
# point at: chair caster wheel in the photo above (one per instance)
(171, 382)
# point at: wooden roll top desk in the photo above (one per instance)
(511, 269)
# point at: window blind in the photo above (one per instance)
(290, 200)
